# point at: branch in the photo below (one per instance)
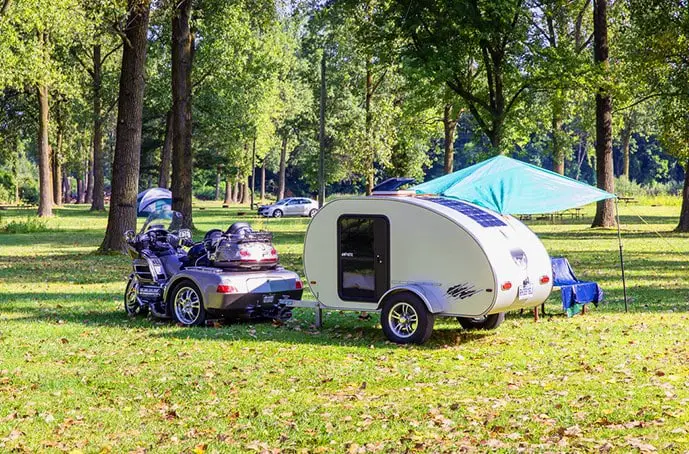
(5, 6)
(202, 78)
(481, 123)
(647, 97)
(468, 96)
(516, 96)
(540, 29)
(112, 51)
(492, 82)
(513, 25)
(377, 84)
(75, 54)
(112, 106)
(586, 43)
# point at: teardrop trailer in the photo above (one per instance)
(415, 258)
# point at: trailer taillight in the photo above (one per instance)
(299, 284)
(545, 279)
(506, 285)
(224, 288)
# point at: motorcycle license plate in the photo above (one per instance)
(268, 299)
(149, 291)
(525, 291)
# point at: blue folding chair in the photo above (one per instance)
(575, 293)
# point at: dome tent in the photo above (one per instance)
(153, 199)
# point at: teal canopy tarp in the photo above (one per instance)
(509, 186)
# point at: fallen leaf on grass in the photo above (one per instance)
(640, 445)
(573, 431)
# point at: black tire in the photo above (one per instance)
(277, 213)
(183, 298)
(313, 212)
(132, 307)
(486, 322)
(396, 310)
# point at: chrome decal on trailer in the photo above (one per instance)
(462, 291)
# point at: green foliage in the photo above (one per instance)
(627, 188)
(28, 193)
(32, 224)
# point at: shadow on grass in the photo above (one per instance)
(68, 268)
(339, 329)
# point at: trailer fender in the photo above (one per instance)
(434, 303)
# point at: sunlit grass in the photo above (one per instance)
(76, 374)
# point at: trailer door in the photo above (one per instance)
(363, 270)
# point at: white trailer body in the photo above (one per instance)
(459, 259)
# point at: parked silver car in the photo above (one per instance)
(291, 206)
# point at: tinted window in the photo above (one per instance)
(356, 251)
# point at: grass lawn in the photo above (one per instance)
(77, 375)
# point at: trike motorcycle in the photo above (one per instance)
(231, 274)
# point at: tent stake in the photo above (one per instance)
(619, 240)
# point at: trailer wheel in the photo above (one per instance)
(486, 322)
(187, 304)
(132, 306)
(405, 319)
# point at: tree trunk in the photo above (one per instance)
(236, 197)
(556, 105)
(217, 184)
(605, 210)
(125, 168)
(17, 199)
(370, 153)
(558, 151)
(89, 178)
(321, 137)
(449, 125)
(283, 167)
(263, 180)
(253, 174)
(626, 139)
(243, 189)
(98, 185)
(166, 154)
(495, 136)
(228, 192)
(80, 187)
(65, 186)
(57, 169)
(45, 201)
(182, 44)
(683, 225)
(84, 189)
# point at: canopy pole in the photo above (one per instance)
(619, 240)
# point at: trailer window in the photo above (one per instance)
(362, 252)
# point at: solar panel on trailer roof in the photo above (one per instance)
(483, 218)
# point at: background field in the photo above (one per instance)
(77, 374)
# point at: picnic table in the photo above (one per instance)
(575, 213)
(627, 200)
